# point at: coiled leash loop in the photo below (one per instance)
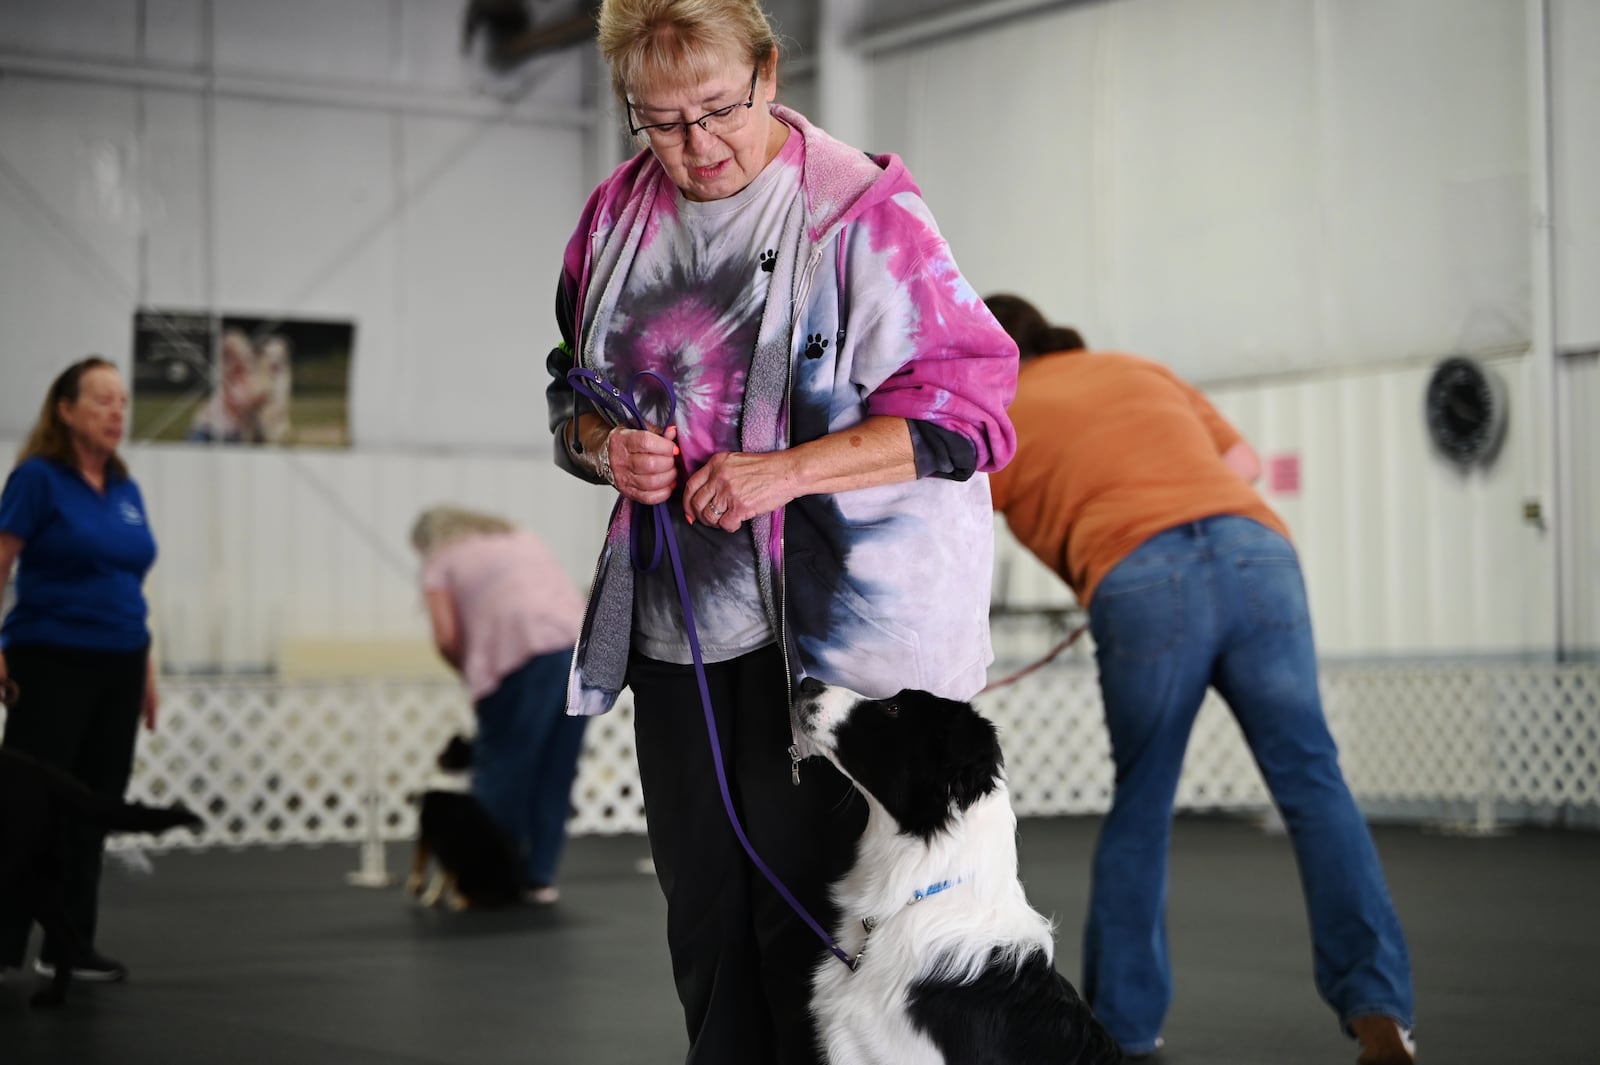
(622, 408)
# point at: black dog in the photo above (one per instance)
(37, 802)
(477, 863)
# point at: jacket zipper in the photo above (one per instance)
(577, 361)
(783, 553)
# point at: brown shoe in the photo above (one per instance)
(1383, 1041)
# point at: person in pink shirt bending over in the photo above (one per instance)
(506, 617)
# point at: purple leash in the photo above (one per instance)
(623, 409)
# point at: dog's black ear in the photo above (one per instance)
(973, 750)
(457, 754)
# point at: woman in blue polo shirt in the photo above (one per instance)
(75, 647)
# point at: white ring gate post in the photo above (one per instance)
(374, 870)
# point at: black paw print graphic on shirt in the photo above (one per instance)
(768, 259)
(815, 345)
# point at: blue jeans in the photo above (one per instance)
(525, 758)
(1221, 603)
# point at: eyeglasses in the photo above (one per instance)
(723, 120)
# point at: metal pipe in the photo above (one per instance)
(346, 95)
(961, 19)
(1546, 366)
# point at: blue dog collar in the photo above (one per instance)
(933, 889)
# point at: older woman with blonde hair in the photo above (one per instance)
(837, 392)
(439, 525)
(75, 661)
(504, 615)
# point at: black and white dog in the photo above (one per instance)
(953, 964)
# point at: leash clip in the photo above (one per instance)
(867, 925)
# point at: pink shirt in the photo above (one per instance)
(512, 602)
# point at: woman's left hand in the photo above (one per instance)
(735, 486)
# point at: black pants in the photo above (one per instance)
(79, 710)
(741, 958)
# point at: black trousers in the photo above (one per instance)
(79, 710)
(742, 959)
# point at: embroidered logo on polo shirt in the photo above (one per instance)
(131, 515)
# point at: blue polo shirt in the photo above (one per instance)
(84, 556)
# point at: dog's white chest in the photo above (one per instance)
(862, 1015)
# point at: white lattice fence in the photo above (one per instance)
(1431, 736)
(308, 762)
(336, 761)
(1057, 752)
(606, 797)
(1413, 733)
(1058, 755)
(1547, 735)
(339, 761)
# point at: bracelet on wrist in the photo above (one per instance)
(602, 459)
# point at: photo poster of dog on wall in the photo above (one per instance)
(232, 379)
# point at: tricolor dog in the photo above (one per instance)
(461, 859)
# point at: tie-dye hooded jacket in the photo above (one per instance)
(876, 589)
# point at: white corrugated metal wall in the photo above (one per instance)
(1404, 553)
(264, 551)
(1581, 605)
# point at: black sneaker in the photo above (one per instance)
(96, 968)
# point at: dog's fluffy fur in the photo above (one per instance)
(475, 864)
(957, 967)
(37, 801)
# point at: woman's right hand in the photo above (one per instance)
(644, 464)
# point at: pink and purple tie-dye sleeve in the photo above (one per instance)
(932, 351)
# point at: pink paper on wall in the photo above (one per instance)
(1283, 474)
